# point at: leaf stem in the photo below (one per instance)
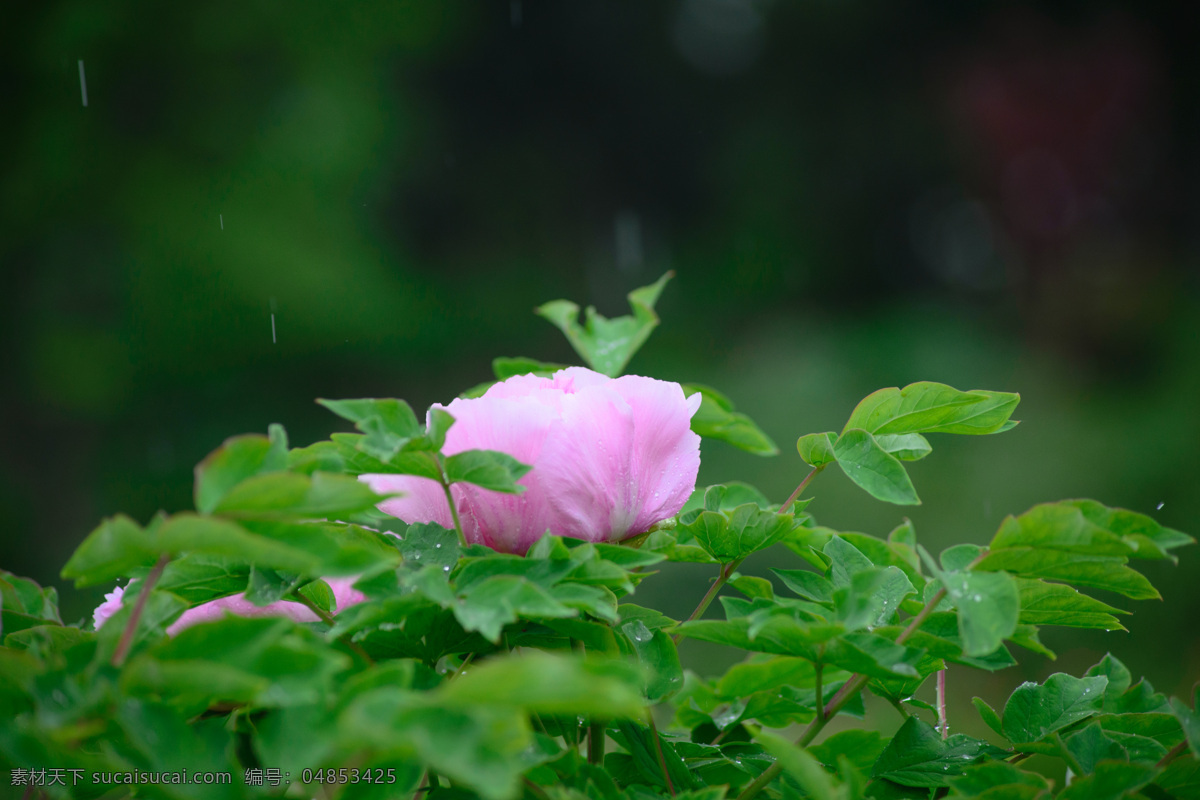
(126, 641)
(792, 498)
(943, 724)
(534, 789)
(662, 760)
(819, 689)
(722, 578)
(1172, 754)
(851, 687)
(595, 748)
(462, 537)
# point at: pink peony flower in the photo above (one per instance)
(610, 458)
(343, 592)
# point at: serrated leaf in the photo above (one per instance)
(730, 536)
(1033, 712)
(875, 470)
(488, 469)
(489, 605)
(608, 344)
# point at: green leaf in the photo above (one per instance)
(1057, 604)
(427, 543)
(608, 344)
(905, 446)
(480, 747)
(118, 546)
(874, 469)
(489, 469)
(239, 458)
(800, 765)
(389, 426)
(1098, 572)
(282, 495)
(1181, 778)
(988, 714)
(990, 780)
(656, 652)
(928, 407)
(861, 748)
(319, 593)
(505, 368)
(549, 684)
(1111, 781)
(317, 457)
(639, 740)
(269, 661)
(717, 419)
(1145, 537)
(1189, 720)
(988, 608)
(817, 448)
(807, 583)
(1033, 712)
(918, 756)
(879, 593)
(730, 536)
(489, 605)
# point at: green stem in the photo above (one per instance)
(792, 498)
(943, 725)
(896, 704)
(819, 690)
(1172, 754)
(722, 578)
(535, 790)
(595, 750)
(848, 690)
(126, 641)
(662, 760)
(462, 537)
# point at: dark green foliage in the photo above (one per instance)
(491, 675)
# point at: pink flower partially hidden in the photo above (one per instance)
(610, 458)
(343, 592)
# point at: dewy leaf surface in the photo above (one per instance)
(918, 756)
(1033, 712)
(928, 407)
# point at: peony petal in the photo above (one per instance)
(238, 605)
(421, 500)
(665, 452)
(110, 606)
(586, 466)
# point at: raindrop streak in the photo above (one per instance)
(222, 218)
(514, 13)
(82, 83)
(1159, 506)
(273, 330)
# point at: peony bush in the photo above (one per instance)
(449, 610)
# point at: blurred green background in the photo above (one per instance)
(853, 195)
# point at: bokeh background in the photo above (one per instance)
(852, 194)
